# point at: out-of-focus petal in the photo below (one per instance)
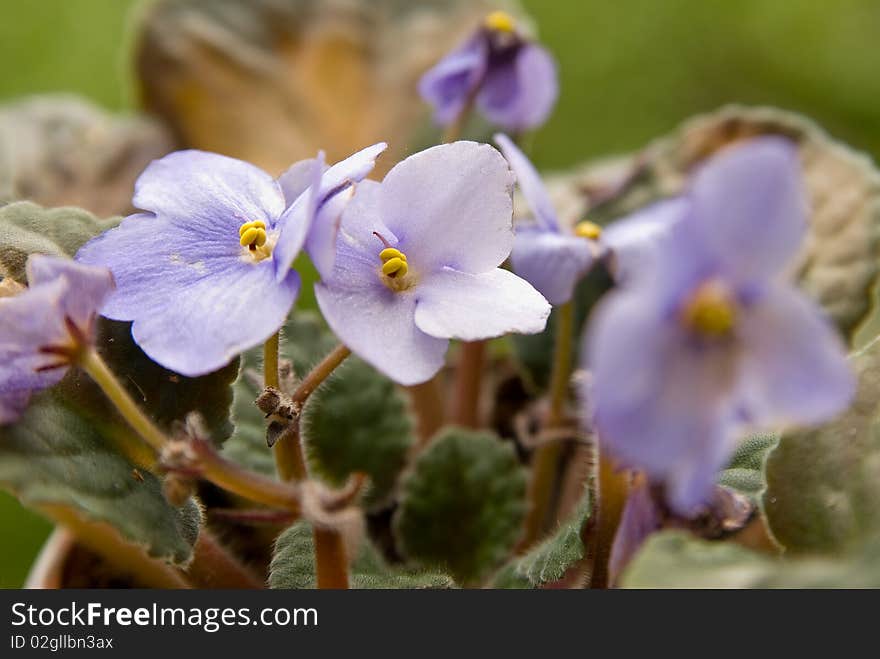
(451, 205)
(521, 94)
(377, 325)
(659, 403)
(208, 194)
(89, 285)
(633, 241)
(459, 305)
(795, 369)
(551, 262)
(641, 517)
(530, 183)
(296, 180)
(452, 80)
(750, 208)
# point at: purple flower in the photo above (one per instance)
(554, 257)
(205, 273)
(44, 327)
(711, 339)
(417, 263)
(512, 80)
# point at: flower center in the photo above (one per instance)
(500, 21)
(589, 230)
(395, 267)
(252, 235)
(711, 310)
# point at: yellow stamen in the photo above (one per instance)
(711, 310)
(256, 224)
(587, 229)
(500, 21)
(252, 234)
(395, 267)
(391, 253)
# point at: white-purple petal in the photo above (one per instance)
(448, 84)
(459, 305)
(794, 364)
(551, 262)
(750, 207)
(377, 324)
(451, 205)
(530, 183)
(520, 92)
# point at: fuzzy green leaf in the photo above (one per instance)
(26, 229)
(823, 485)
(745, 473)
(53, 456)
(548, 561)
(293, 566)
(462, 505)
(675, 559)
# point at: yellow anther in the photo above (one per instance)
(395, 267)
(253, 236)
(256, 224)
(500, 21)
(587, 229)
(711, 310)
(391, 253)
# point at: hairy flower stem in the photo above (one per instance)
(468, 381)
(289, 456)
(210, 464)
(545, 463)
(612, 487)
(427, 401)
(213, 566)
(270, 361)
(331, 562)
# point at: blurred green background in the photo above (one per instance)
(630, 71)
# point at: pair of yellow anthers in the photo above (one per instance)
(500, 21)
(588, 230)
(252, 234)
(393, 262)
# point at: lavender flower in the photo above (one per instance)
(44, 327)
(417, 262)
(512, 80)
(710, 339)
(206, 273)
(554, 257)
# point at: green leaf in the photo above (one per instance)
(548, 561)
(356, 422)
(745, 473)
(462, 505)
(293, 566)
(823, 489)
(675, 559)
(26, 229)
(359, 422)
(839, 261)
(53, 456)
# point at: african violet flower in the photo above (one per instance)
(417, 262)
(710, 339)
(553, 257)
(206, 273)
(511, 80)
(43, 327)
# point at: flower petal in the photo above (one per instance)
(91, 284)
(521, 94)
(551, 262)
(208, 193)
(296, 180)
(460, 305)
(641, 517)
(296, 222)
(530, 183)
(377, 324)
(750, 207)
(451, 81)
(451, 205)
(794, 366)
(633, 241)
(659, 403)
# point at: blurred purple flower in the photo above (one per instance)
(42, 328)
(553, 257)
(711, 340)
(417, 263)
(206, 272)
(512, 80)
